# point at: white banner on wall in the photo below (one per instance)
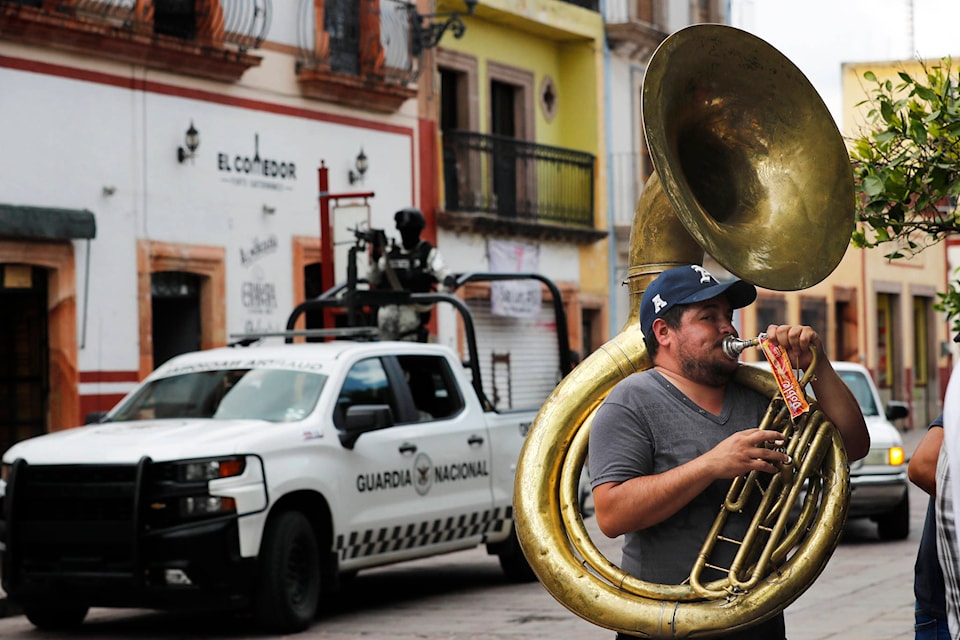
(516, 298)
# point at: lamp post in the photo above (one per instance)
(426, 30)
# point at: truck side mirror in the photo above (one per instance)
(897, 410)
(94, 417)
(362, 418)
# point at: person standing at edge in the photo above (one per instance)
(947, 496)
(666, 441)
(930, 614)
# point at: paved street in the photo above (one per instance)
(866, 592)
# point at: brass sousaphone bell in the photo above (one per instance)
(750, 168)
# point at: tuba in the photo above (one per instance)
(751, 169)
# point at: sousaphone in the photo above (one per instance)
(751, 169)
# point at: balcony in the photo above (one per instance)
(357, 53)
(634, 28)
(205, 38)
(497, 183)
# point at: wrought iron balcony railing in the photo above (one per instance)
(518, 180)
(242, 24)
(357, 52)
(204, 38)
(364, 38)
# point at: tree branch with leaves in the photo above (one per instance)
(906, 166)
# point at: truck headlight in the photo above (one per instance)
(895, 457)
(203, 470)
(892, 456)
(198, 506)
(182, 490)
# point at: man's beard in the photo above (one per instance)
(711, 372)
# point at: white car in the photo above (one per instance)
(878, 481)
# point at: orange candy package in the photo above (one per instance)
(786, 380)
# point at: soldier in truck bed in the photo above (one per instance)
(417, 267)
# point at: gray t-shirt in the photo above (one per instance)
(647, 426)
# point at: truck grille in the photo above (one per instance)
(73, 519)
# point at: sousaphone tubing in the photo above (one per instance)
(751, 169)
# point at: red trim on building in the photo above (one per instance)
(195, 94)
(109, 376)
(428, 177)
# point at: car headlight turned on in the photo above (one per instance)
(892, 456)
(896, 457)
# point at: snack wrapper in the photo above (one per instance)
(786, 381)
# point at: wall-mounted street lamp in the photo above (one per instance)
(426, 35)
(361, 166)
(191, 141)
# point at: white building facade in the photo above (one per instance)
(119, 245)
(165, 190)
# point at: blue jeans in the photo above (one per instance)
(927, 627)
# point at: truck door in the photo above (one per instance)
(419, 486)
(454, 443)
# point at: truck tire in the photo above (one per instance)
(288, 585)
(53, 618)
(896, 524)
(512, 560)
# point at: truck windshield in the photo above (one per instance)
(277, 395)
(860, 387)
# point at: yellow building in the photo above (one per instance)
(516, 108)
(894, 329)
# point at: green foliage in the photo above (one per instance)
(949, 303)
(907, 166)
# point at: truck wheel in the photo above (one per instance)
(288, 587)
(896, 524)
(51, 618)
(512, 560)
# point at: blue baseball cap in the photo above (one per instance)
(686, 285)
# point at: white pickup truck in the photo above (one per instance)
(256, 478)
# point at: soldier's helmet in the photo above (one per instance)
(410, 218)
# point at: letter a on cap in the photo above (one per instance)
(705, 276)
(658, 303)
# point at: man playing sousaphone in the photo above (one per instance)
(666, 441)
